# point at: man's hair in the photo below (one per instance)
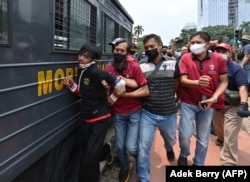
(91, 50)
(121, 41)
(215, 38)
(204, 35)
(150, 36)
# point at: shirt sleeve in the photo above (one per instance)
(75, 89)
(109, 78)
(183, 64)
(246, 49)
(139, 76)
(240, 76)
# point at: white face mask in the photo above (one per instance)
(197, 48)
(225, 56)
(83, 66)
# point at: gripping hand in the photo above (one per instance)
(243, 110)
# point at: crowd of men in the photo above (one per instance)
(141, 94)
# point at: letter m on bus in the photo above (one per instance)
(44, 82)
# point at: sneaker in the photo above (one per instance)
(124, 174)
(219, 142)
(170, 155)
(182, 161)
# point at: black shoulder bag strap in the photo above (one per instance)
(155, 70)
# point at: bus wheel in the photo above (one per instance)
(67, 160)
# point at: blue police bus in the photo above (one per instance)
(39, 43)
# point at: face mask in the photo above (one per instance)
(83, 66)
(169, 55)
(197, 48)
(118, 58)
(164, 52)
(243, 42)
(152, 54)
(133, 52)
(212, 48)
(225, 56)
(143, 56)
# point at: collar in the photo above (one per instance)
(161, 60)
(208, 56)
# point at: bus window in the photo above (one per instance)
(74, 25)
(125, 34)
(111, 31)
(4, 36)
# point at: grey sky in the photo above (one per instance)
(163, 17)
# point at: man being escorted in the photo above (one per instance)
(126, 109)
(228, 122)
(159, 108)
(203, 78)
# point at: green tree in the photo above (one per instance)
(222, 32)
(138, 30)
(245, 27)
(185, 35)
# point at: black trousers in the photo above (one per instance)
(93, 136)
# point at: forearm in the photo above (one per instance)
(130, 82)
(140, 92)
(190, 83)
(220, 89)
(245, 60)
(243, 93)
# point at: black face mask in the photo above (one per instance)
(243, 42)
(212, 48)
(169, 54)
(152, 54)
(118, 58)
(132, 52)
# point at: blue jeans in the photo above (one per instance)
(189, 114)
(149, 122)
(127, 134)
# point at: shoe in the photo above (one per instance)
(213, 132)
(219, 142)
(182, 161)
(111, 145)
(170, 155)
(124, 174)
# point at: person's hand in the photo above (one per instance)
(110, 101)
(204, 80)
(105, 84)
(207, 103)
(243, 110)
(68, 81)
